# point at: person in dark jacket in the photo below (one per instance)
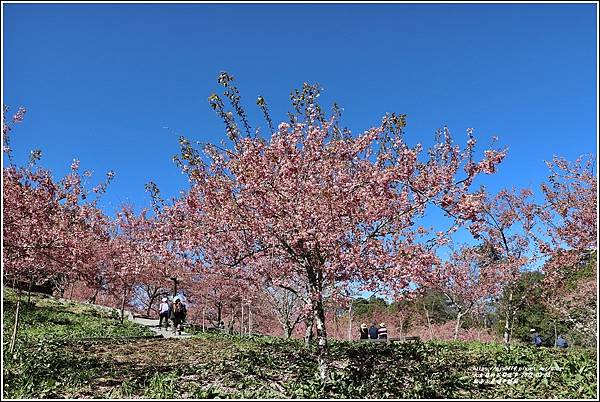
(364, 331)
(178, 313)
(536, 339)
(373, 332)
(382, 331)
(561, 342)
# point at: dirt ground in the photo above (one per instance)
(156, 352)
(140, 360)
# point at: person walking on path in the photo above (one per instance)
(163, 313)
(364, 331)
(373, 332)
(382, 331)
(178, 313)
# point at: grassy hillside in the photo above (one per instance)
(213, 365)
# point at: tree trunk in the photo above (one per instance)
(29, 290)
(555, 334)
(174, 286)
(287, 330)
(204, 315)
(507, 326)
(60, 286)
(219, 314)
(321, 338)
(308, 335)
(401, 329)
(123, 305)
(512, 322)
(151, 297)
(150, 302)
(428, 322)
(92, 299)
(16, 323)
(457, 327)
(350, 321)
(242, 322)
(249, 320)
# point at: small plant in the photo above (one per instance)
(162, 386)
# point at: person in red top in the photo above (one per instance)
(382, 331)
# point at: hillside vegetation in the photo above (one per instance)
(61, 353)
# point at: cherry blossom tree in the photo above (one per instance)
(568, 242)
(335, 208)
(578, 307)
(287, 306)
(523, 233)
(468, 277)
(223, 297)
(571, 214)
(46, 230)
(50, 227)
(507, 229)
(138, 256)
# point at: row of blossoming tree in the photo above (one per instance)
(285, 226)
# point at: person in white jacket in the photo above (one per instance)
(164, 311)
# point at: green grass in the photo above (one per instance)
(50, 319)
(228, 366)
(42, 365)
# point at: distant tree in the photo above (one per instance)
(287, 306)
(507, 231)
(468, 278)
(572, 300)
(433, 307)
(531, 313)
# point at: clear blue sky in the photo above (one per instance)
(100, 81)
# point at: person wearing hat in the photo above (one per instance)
(382, 331)
(536, 339)
(163, 313)
(364, 331)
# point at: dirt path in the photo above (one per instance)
(153, 326)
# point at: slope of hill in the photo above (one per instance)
(70, 350)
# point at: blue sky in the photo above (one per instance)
(100, 81)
